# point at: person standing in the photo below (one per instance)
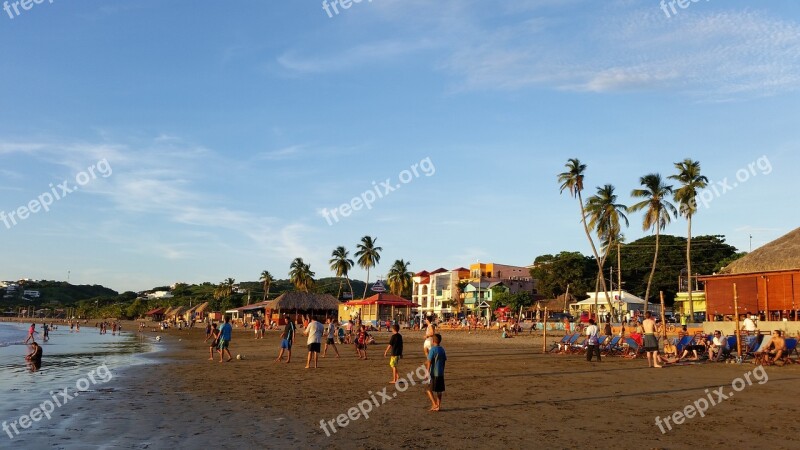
(650, 341)
(331, 338)
(430, 331)
(225, 334)
(396, 347)
(287, 339)
(314, 332)
(435, 365)
(592, 338)
(31, 332)
(213, 334)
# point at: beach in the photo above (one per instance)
(499, 394)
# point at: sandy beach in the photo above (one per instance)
(500, 394)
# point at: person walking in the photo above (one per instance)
(314, 332)
(592, 338)
(330, 337)
(225, 334)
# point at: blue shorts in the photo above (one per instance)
(287, 344)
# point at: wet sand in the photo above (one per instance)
(499, 394)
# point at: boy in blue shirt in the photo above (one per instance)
(435, 366)
(225, 340)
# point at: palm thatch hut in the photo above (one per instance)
(301, 304)
(767, 282)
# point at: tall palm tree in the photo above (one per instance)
(606, 217)
(300, 275)
(225, 289)
(686, 197)
(368, 256)
(399, 277)
(658, 212)
(572, 180)
(267, 279)
(341, 265)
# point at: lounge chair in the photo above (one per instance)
(558, 346)
(760, 354)
(681, 345)
(612, 347)
(578, 346)
(791, 347)
(633, 349)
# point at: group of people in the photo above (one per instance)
(357, 334)
(115, 326)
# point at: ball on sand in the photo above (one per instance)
(158, 338)
(239, 357)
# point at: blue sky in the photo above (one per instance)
(228, 127)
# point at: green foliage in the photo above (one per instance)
(554, 273)
(708, 252)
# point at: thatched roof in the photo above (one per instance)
(304, 301)
(780, 254)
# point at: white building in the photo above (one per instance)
(159, 294)
(30, 293)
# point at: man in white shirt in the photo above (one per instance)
(717, 349)
(749, 325)
(314, 332)
(592, 336)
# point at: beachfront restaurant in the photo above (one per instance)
(767, 285)
(379, 307)
(156, 315)
(299, 304)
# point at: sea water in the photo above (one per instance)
(68, 357)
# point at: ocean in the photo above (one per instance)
(73, 363)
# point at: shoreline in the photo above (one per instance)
(500, 393)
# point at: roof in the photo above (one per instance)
(383, 299)
(254, 306)
(201, 308)
(460, 269)
(781, 254)
(154, 312)
(439, 270)
(422, 274)
(627, 297)
(304, 301)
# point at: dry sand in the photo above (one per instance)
(500, 394)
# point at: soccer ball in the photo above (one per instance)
(239, 357)
(158, 338)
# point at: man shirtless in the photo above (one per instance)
(776, 347)
(650, 340)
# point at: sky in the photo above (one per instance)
(146, 142)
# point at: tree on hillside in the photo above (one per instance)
(400, 278)
(300, 275)
(572, 181)
(658, 212)
(267, 279)
(606, 217)
(555, 273)
(368, 256)
(341, 265)
(686, 196)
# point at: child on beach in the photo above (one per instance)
(396, 347)
(435, 366)
(361, 342)
(331, 338)
(287, 337)
(225, 340)
(213, 334)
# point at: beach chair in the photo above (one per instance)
(601, 340)
(578, 346)
(572, 340)
(791, 347)
(681, 345)
(557, 346)
(633, 349)
(760, 355)
(750, 345)
(612, 347)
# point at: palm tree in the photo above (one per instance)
(267, 278)
(300, 275)
(658, 213)
(605, 217)
(341, 265)
(399, 277)
(368, 256)
(225, 289)
(686, 197)
(572, 180)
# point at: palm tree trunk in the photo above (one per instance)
(265, 292)
(690, 319)
(351, 287)
(652, 271)
(366, 285)
(339, 292)
(594, 249)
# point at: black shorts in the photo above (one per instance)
(437, 384)
(330, 341)
(314, 348)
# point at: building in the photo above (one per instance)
(159, 295)
(767, 282)
(30, 293)
(447, 292)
